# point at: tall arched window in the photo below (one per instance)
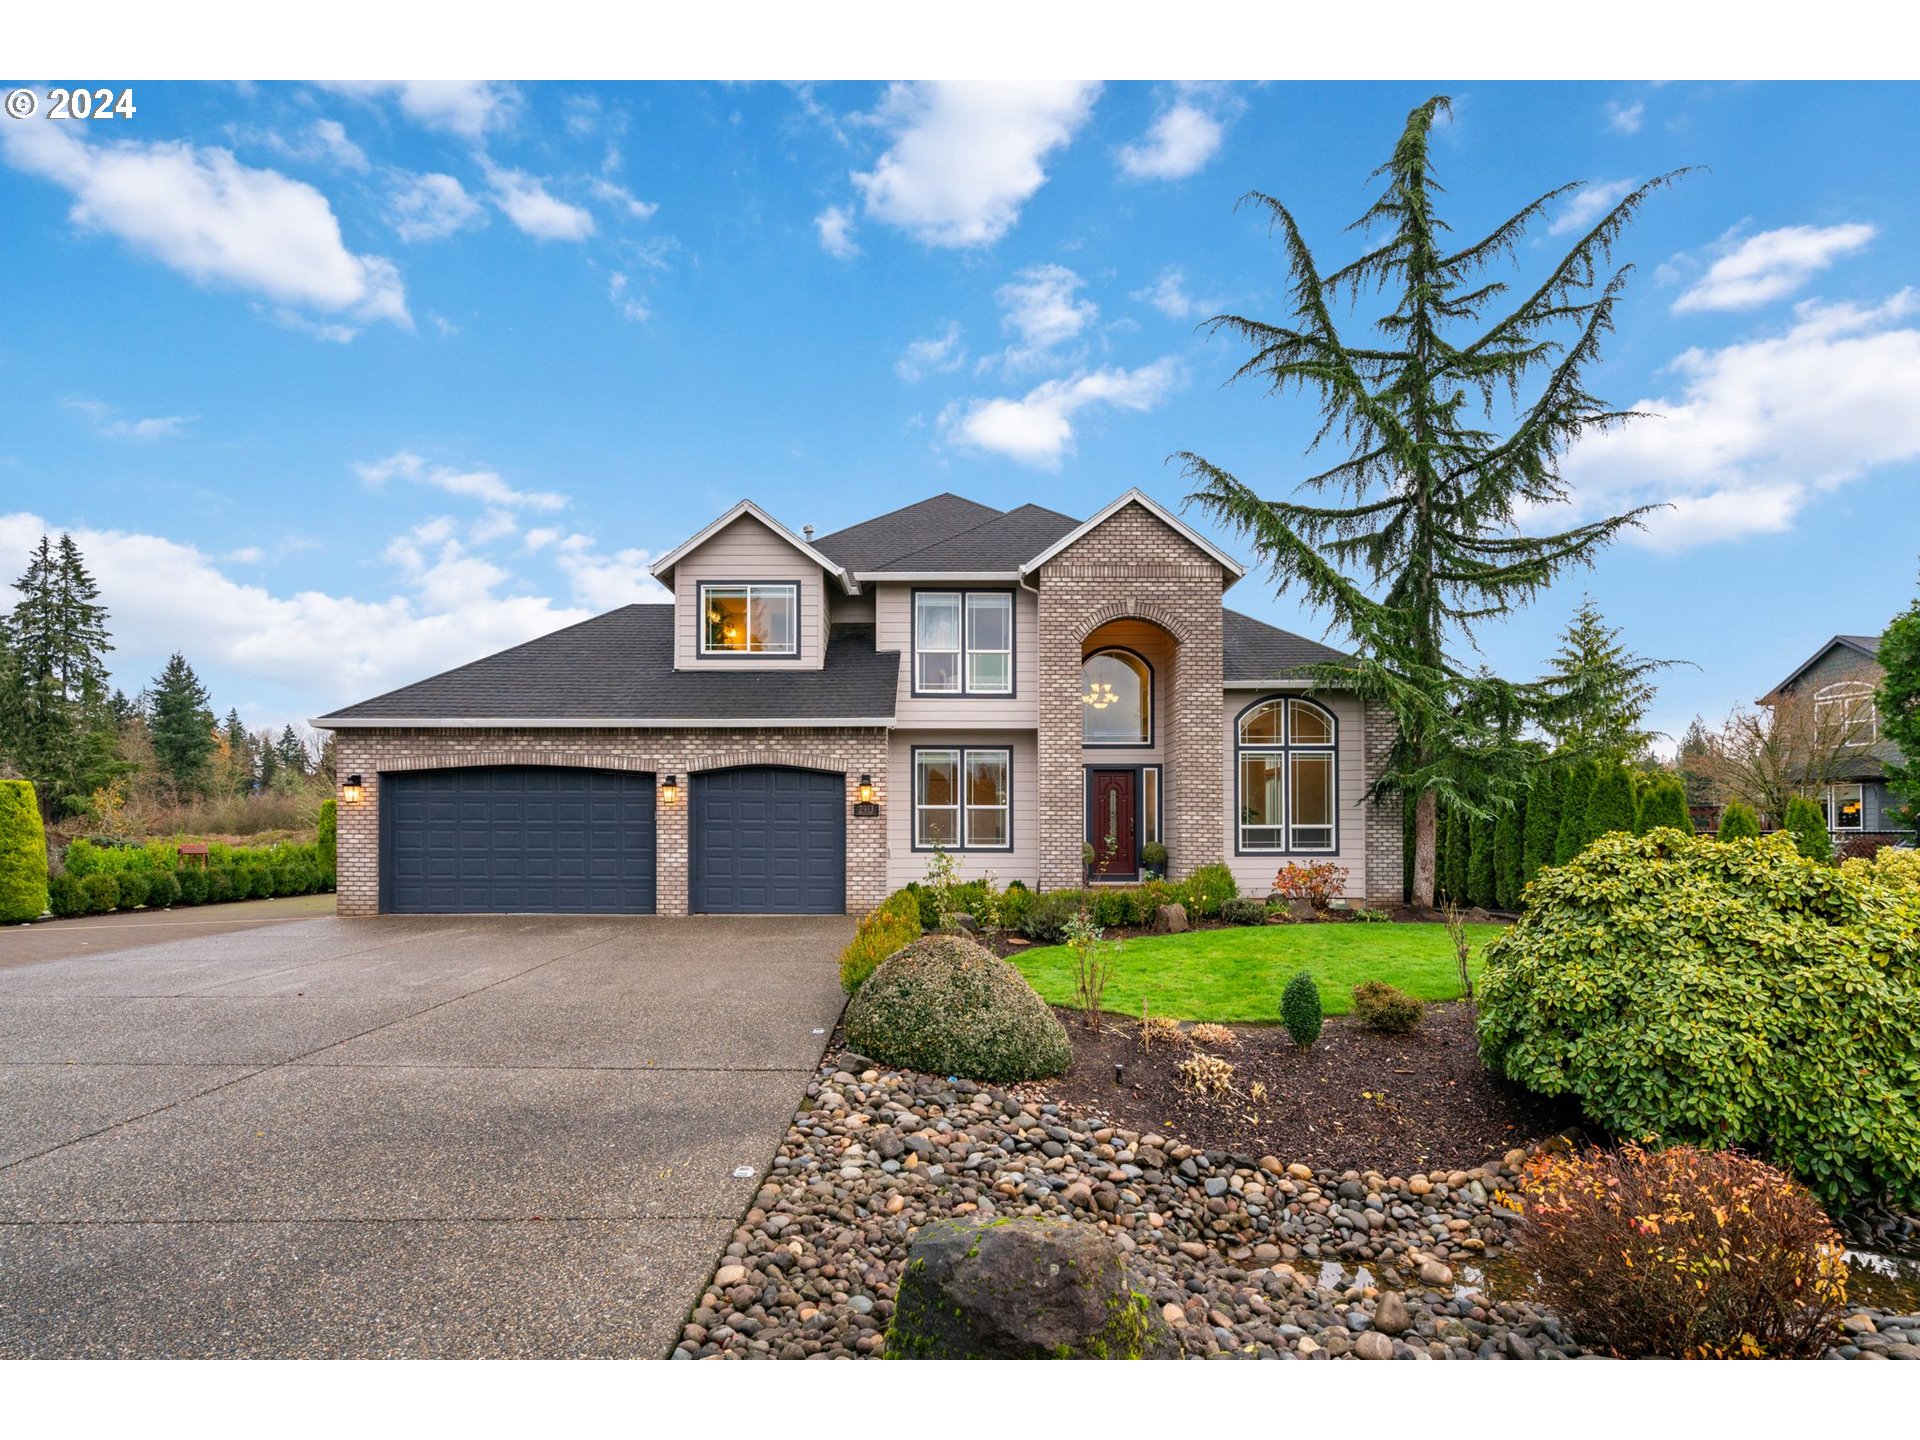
(1846, 708)
(1116, 699)
(1287, 759)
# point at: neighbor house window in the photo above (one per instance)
(1286, 758)
(1116, 699)
(963, 642)
(1847, 705)
(963, 799)
(749, 619)
(1846, 807)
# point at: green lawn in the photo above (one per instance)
(1237, 974)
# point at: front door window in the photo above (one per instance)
(1113, 819)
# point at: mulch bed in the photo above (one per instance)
(1356, 1100)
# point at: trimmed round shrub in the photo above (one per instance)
(949, 1006)
(219, 884)
(163, 890)
(1722, 993)
(23, 854)
(1738, 822)
(102, 891)
(66, 896)
(1683, 1253)
(1380, 1006)
(1244, 910)
(887, 929)
(1300, 1009)
(194, 885)
(82, 858)
(133, 889)
(242, 877)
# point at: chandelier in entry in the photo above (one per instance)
(1099, 696)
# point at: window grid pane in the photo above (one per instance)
(1288, 778)
(936, 643)
(936, 798)
(988, 798)
(1262, 802)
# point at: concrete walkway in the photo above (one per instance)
(397, 1137)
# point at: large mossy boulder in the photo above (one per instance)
(1726, 993)
(1018, 1290)
(949, 1006)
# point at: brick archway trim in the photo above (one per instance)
(1132, 610)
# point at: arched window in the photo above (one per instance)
(1847, 706)
(1286, 754)
(1116, 699)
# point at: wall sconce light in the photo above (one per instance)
(670, 791)
(353, 792)
(865, 792)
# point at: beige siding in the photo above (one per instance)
(747, 550)
(1255, 872)
(893, 630)
(1021, 863)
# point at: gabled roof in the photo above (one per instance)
(1253, 651)
(1867, 645)
(746, 508)
(1173, 522)
(617, 670)
(870, 544)
(995, 547)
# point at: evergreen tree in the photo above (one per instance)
(1665, 805)
(1696, 751)
(1809, 827)
(1455, 859)
(291, 751)
(267, 761)
(1570, 838)
(238, 774)
(1898, 703)
(1509, 832)
(1738, 822)
(181, 726)
(1610, 806)
(1482, 884)
(1431, 495)
(1543, 821)
(55, 710)
(1599, 691)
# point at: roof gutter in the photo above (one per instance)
(576, 722)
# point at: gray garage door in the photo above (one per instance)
(769, 841)
(513, 839)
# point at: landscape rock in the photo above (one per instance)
(1171, 919)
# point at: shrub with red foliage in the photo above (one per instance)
(1683, 1253)
(1317, 883)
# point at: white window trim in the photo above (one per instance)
(1284, 753)
(963, 756)
(962, 663)
(1831, 802)
(1846, 696)
(789, 588)
(969, 649)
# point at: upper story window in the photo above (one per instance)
(751, 619)
(1116, 699)
(1847, 706)
(962, 642)
(1286, 755)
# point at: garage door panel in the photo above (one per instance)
(768, 840)
(518, 839)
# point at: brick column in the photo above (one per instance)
(1386, 837)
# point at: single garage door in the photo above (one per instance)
(769, 841)
(516, 839)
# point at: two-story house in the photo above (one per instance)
(1840, 679)
(811, 717)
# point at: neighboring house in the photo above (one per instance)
(810, 718)
(1840, 679)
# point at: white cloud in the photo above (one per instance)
(1588, 204)
(201, 212)
(606, 582)
(431, 207)
(622, 198)
(526, 201)
(1773, 263)
(1762, 426)
(966, 155)
(1179, 143)
(1040, 307)
(630, 305)
(467, 108)
(1037, 428)
(485, 486)
(1626, 119)
(105, 422)
(324, 142)
(835, 227)
(932, 355)
(245, 555)
(1168, 294)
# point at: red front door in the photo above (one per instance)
(1110, 825)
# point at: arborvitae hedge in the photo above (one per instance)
(23, 854)
(1665, 804)
(1809, 826)
(1571, 836)
(1543, 821)
(1455, 856)
(1610, 806)
(1508, 833)
(1482, 886)
(1737, 822)
(326, 839)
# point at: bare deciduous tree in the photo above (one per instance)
(1767, 755)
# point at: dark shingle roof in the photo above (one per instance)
(619, 667)
(871, 543)
(1867, 645)
(1255, 650)
(1003, 543)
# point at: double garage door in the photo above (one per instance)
(527, 839)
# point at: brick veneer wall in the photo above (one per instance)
(1386, 834)
(1132, 565)
(854, 752)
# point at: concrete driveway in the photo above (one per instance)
(397, 1137)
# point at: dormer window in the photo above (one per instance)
(749, 619)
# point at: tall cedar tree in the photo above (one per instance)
(1509, 831)
(1482, 884)
(1809, 826)
(57, 723)
(1610, 807)
(1543, 821)
(181, 726)
(1599, 691)
(1571, 836)
(1430, 496)
(1898, 701)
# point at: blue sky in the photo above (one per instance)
(341, 386)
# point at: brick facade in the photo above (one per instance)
(683, 753)
(1132, 565)
(1386, 832)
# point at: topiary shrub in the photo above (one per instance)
(1808, 825)
(102, 891)
(194, 884)
(889, 928)
(1379, 1006)
(65, 896)
(1721, 993)
(326, 838)
(949, 1006)
(23, 854)
(1300, 1009)
(1244, 910)
(1738, 822)
(163, 890)
(1682, 1253)
(1208, 888)
(133, 886)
